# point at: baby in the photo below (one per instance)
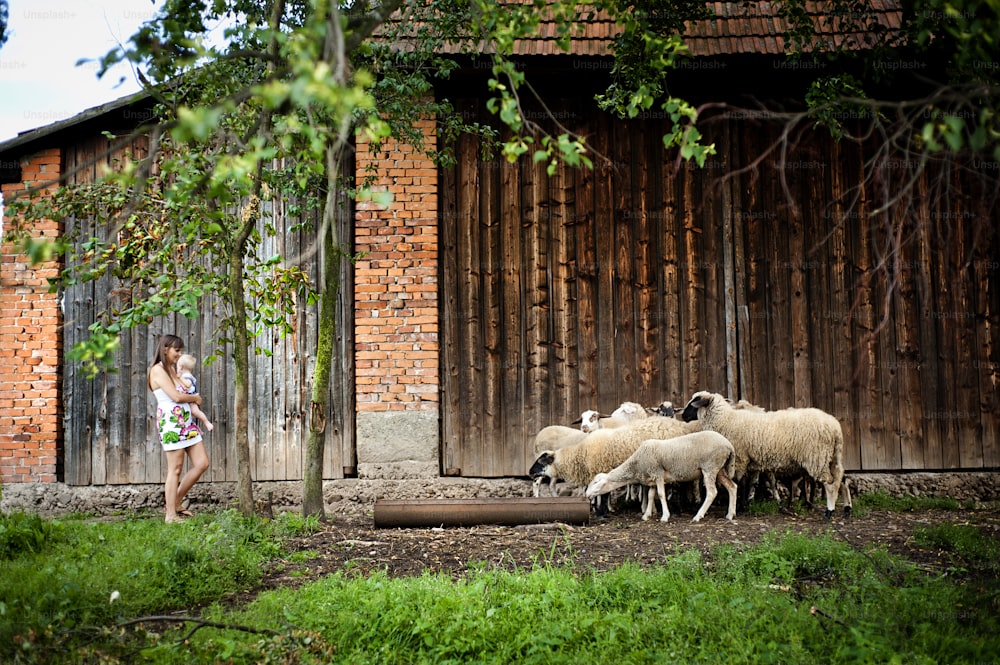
(185, 367)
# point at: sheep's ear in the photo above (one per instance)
(577, 421)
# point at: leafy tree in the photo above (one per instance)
(293, 84)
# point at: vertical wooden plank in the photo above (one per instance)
(450, 304)
(605, 222)
(470, 280)
(732, 294)
(693, 290)
(588, 270)
(492, 407)
(844, 220)
(564, 300)
(537, 265)
(907, 362)
(961, 319)
(671, 262)
(644, 284)
(623, 310)
(874, 454)
(798, 268)
(775, 211)
(986, 276)
(512, 293)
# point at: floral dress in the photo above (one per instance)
(175, 423)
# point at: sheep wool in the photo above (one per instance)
(800, 438)
(699, 455)
(604, 449)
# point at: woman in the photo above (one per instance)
(179, 434)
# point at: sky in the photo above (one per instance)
(39, 80)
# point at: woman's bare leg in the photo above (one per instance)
(175, 461)
(198, 457)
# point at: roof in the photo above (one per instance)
(750, 27)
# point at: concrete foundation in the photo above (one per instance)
(357, 496)
(398, 445)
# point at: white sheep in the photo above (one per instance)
(782, 441)
(706, 455)
(626, 412)
(603, 450)
(554, 437)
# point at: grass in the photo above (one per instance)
(789, 599)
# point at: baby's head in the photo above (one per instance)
(186, 362)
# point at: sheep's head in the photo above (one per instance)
(590, 421)
(629, 411)
(699, 400)
(540, 469)
(598, 486)
(664, 409)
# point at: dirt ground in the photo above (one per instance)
(355, 546)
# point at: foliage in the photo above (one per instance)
(880, 500)
(87, 574)
(22, 533)
(790, 598)
(966, 541)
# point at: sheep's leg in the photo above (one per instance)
(552, 486)
(662, 492)
(646, 496)
(710, 492)
(730, 486)
(831, 490)
(536, 487)
(845, 494)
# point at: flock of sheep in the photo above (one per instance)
(714, 441)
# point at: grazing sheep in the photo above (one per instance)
(706, 455)
(810, 440)
(603, 450)
(554, 437)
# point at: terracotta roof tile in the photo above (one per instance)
(737, 27)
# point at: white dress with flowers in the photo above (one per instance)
(176, 424)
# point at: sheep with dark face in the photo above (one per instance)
(706, 455)
(783, 441)
(554, 437)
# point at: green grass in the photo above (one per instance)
(791, 598)
(61, 577)
(882, 501)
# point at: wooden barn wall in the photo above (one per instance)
(109, 427)
(645, 280)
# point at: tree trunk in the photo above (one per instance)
(312, 487)
(241, 358)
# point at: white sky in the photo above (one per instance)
(39, 80)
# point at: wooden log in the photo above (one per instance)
(470, 512)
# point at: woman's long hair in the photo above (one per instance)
(166, 342)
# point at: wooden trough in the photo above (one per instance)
(469, 512)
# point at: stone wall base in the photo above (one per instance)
(356, 497)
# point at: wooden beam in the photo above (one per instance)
(470, 512)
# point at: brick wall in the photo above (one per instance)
(396, 283)
(30, 342)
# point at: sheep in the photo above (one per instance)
(625, 413)
(554, 437)
(707, 455)
(805, 439)
(601, 451)
(664, 408)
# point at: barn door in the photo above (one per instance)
(577, 290)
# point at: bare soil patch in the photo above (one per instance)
(353, 545)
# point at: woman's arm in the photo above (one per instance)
(158, 378)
